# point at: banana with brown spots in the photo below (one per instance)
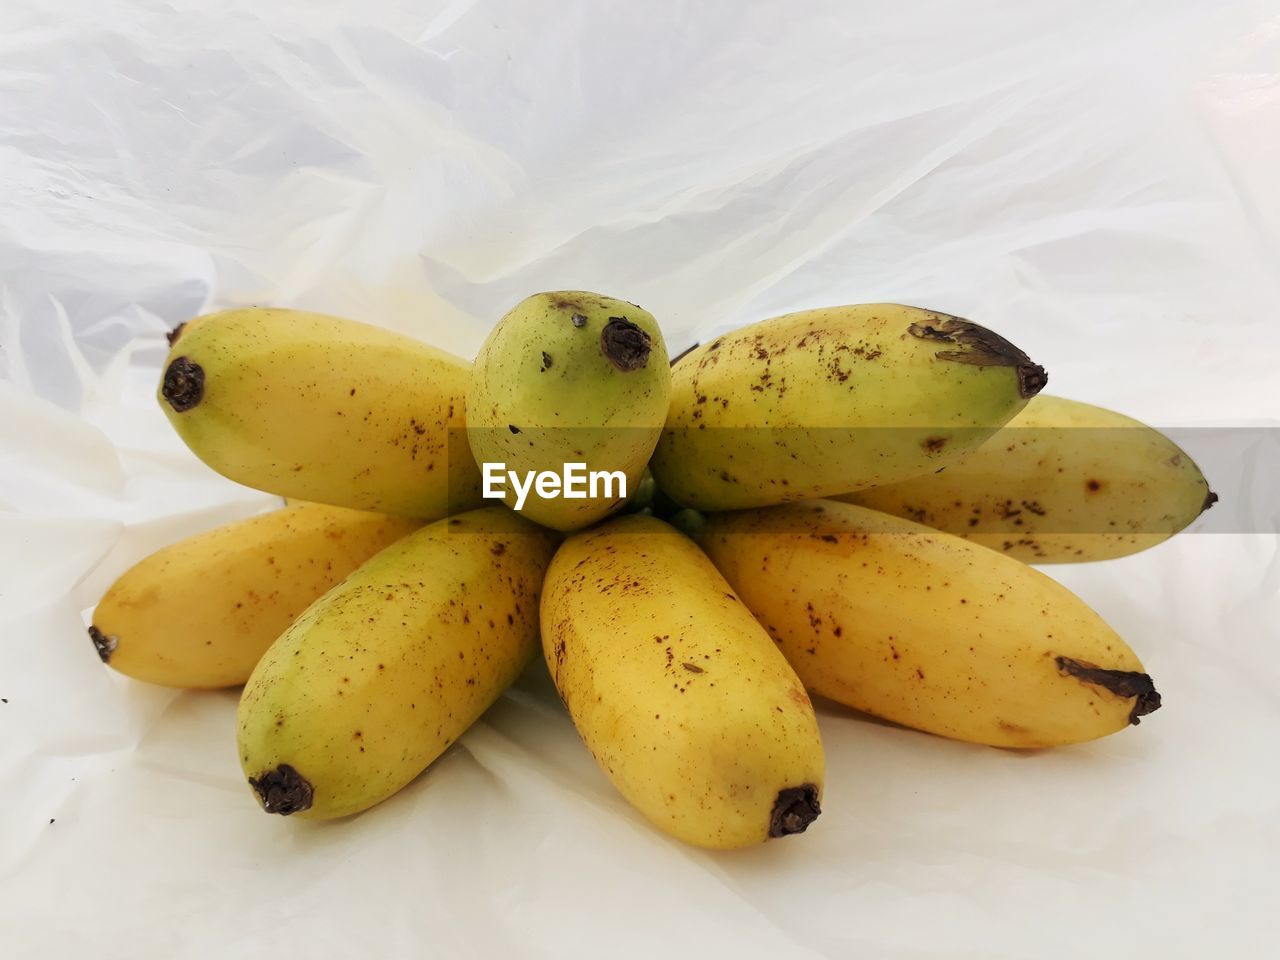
(199, 613)
(827, 401)
(570, 377)
(676, 690)
(926, 629)
(320, 408)
(388, 668)
(1063, 482)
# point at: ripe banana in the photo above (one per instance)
(570, 377)
(678, 693)
(201, 612)
(387, 669)
(1062, 482)
(320, 408)
(827, 401)
(927, 629)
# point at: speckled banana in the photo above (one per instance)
(570, 377)
(676, 690)
(1062, 482)
(320, 408)
(201, 612)
(827, 401)
(926, 629)
(388, 668)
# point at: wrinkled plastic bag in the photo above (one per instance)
(1095, 180)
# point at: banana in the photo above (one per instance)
(926, 629)
(1062, 482)
(201, 612)
(319, 408)
(570, 377)
(827, 401)
(377, 677)
(678, 693)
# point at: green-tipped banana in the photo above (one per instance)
(569, 377)
(827, 401)
(387, 669)
(324, 409)
(1062, 482)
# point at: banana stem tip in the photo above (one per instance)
(1032, 378)
(183, 385)
(794, 810)
(283, 790)
(103, 643)
(1123, 683)
(624, 344)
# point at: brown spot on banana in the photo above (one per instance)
(577, 300)
(934, 444)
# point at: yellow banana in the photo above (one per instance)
(201, 612)
(1062, 482)
(320, 408)
(827, 401)
(570, 377)
(927, 629)
(383, 672)
(676, 690)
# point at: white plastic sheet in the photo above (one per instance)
(1096, 180)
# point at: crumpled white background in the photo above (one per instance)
(1096, 180)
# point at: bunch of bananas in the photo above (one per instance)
(837, 501)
